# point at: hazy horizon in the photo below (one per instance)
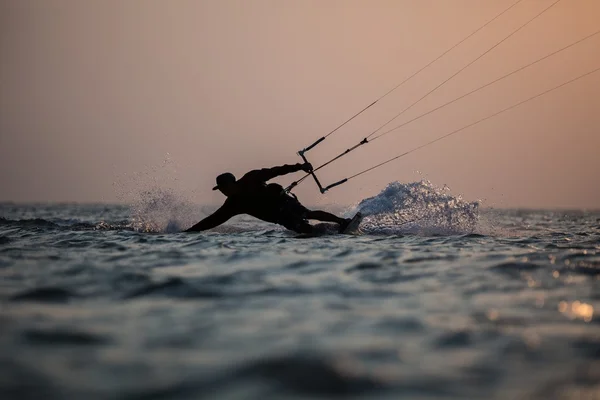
(101, 99)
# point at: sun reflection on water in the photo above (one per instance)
(577, 309)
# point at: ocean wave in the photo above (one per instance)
(45, 295)
(172, 288)
(312, 375)
(28, 223)
(62, 337)
(515, 268)
(74, 225)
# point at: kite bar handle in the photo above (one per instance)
(334, 185)
(301, 154)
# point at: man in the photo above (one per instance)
(269, 202)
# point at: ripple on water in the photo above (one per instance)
(474, 236)
(591, 269)
(28, 223)
(454, 339)
(274, 377)
(297, 265)
(364, 266)
(45, 295)
(173, 288)
(588, 347)
(430, 258)
(311, 375)
(63, 337)
(110, 246)
(20, 382)
(514, 269)
(401, 325)
(125, 281)
(344, 253)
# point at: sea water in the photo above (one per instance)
(436, 298)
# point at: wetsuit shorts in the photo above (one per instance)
(293, 215)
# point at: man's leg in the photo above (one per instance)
(299, 225)
(324, 216)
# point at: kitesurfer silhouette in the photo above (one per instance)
(269, 202)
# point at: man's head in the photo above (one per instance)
(226, 183)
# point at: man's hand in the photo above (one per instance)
(307, 167)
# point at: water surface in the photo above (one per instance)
(436, 299)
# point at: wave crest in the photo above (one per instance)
(418, 207)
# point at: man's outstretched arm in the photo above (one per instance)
(266, 174)
(215, 219)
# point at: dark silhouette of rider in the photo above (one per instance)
(269, 202)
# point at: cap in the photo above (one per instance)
(224, 179)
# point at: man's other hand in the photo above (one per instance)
(307, 167)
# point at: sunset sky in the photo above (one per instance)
(92, 92)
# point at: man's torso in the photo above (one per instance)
(266, 202)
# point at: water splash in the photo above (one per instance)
(158, 202)
(418, 207)
(162, 210)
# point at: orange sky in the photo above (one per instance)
(93, 90)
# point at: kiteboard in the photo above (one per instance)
(352, 226)
(333, 229)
